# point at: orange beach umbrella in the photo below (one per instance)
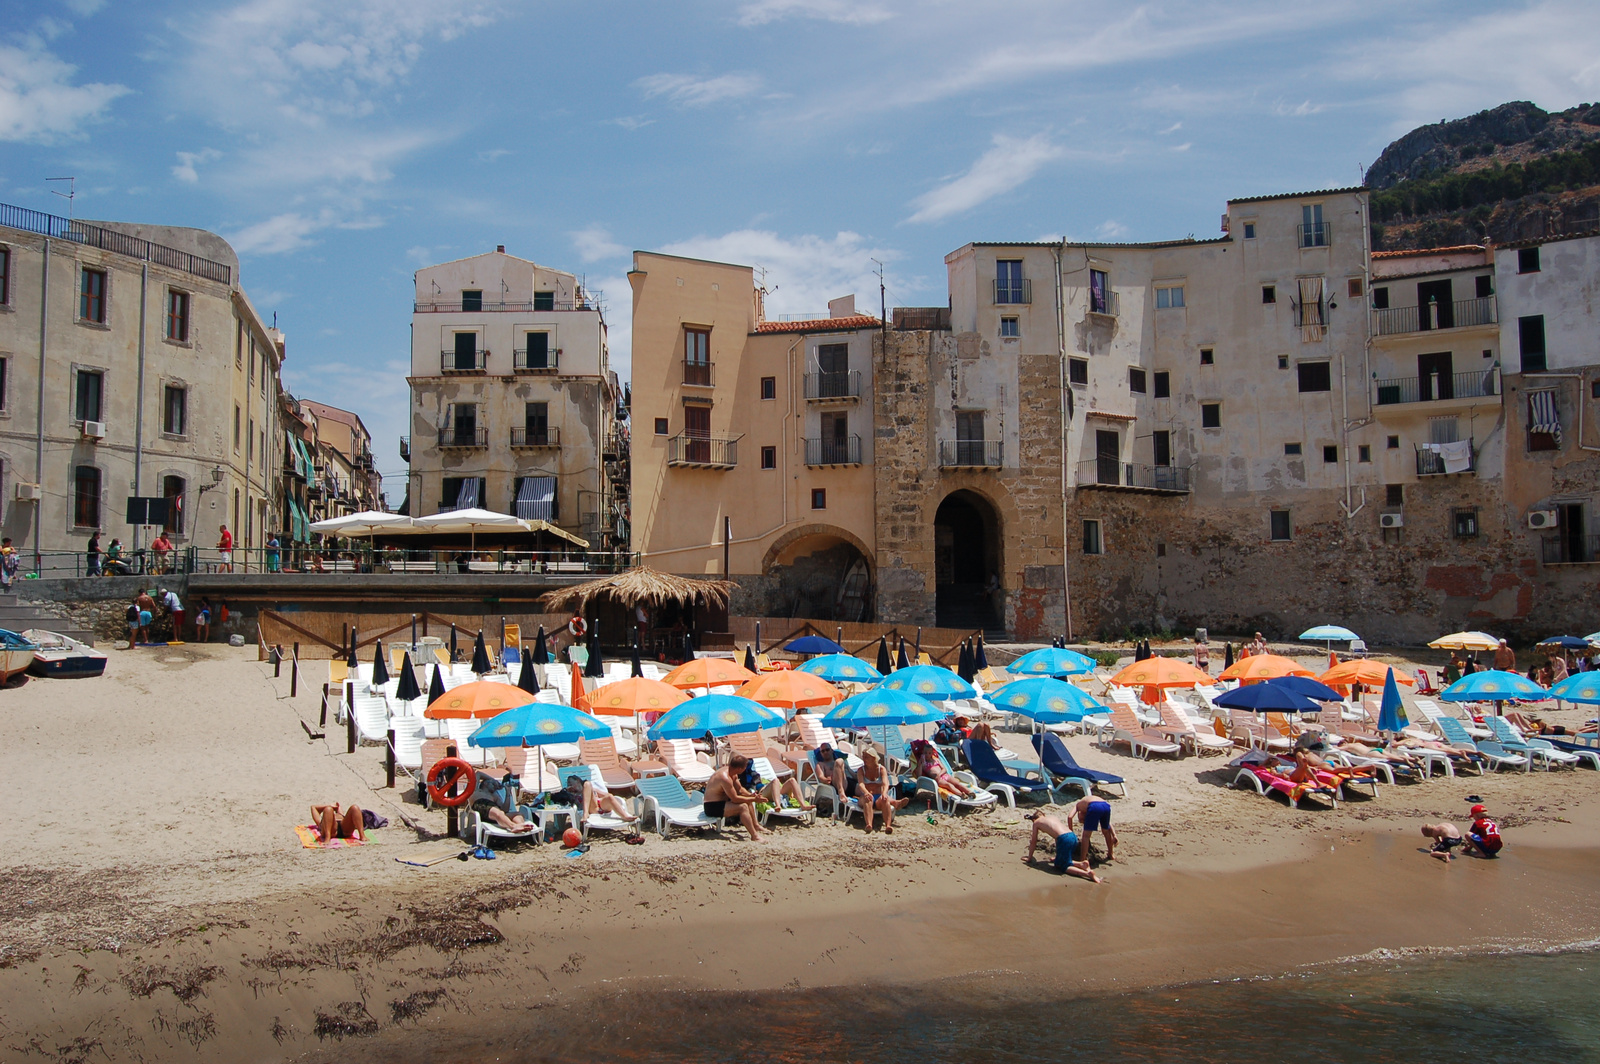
(790, 689)
(709, 672)
(1363, 671)
(1162, 672)
(480, 699)
(637, 694)
(1264, 667)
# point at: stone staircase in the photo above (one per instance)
(17, 616)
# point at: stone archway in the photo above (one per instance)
(820, 571)
(967, 562)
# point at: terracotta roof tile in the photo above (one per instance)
(847, 324)
(1454, 249)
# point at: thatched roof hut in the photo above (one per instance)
(639, 585)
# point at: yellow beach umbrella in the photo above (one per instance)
(1466, 641)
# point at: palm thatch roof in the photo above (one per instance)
(641, 584)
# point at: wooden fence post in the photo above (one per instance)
(388, 761)
(294, 673)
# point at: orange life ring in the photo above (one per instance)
(577, 627)
(444, 775)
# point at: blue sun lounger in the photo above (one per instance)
(1057, 760)
(995, 777)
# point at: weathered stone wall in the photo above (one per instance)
(97, 604)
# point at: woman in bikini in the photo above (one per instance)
(929, 765)
(872, 788)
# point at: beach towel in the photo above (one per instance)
(311, 839)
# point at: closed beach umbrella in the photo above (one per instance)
(408, 690)
(635, 695)
(885, 666)
(541, 648)
(455, 654)
(1051, 661)
(880, 708)
(1156, 671)
(528, 678)
(594, 668)
(749, 659)
(480, 656)
(901, 661)
(1227, 655)
(964, 667)
(1493, 685)
(1305, 685)
(1391, 711)
(537, 723)
(688, 646)
(980, 660)
(1466, 641)
(380, 671)
(790, 689)
(350, 659)
(481, 699)
(841, 668)
(638, 666)
(714, 715)
(435, 686)
(1264, 667)
(928, 681)
(813, 644)
(708, 672)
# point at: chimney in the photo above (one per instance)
(501, 248)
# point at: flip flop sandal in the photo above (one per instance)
(634, 840)
(1149, 803)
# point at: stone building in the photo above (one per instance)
(757, 430)
(131, 365)
(346, 481)
(513, 401)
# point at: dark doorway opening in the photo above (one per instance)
(1435, 379)
(1434, 309)
(966, 562)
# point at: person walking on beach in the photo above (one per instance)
(92, 555)
(202, 622)
(225, 551)
(9, 562)
(1066, 847)
(147, 613)
(1483, 838)
(1095, 815)
(1446, 837)
(1258, 645)
(1202, 656)
(174, 607)
(721, 792)
(1505, 659)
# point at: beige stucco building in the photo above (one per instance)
(346, 481)
(513, 401)
(752, 439)
(132, 365)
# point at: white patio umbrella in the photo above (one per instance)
(472, 521)
(365, 523)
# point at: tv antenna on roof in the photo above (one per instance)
(69, 195)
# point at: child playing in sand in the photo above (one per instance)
(1066, 846)
(1483, 837)
(1446, 837)
(1095, 815)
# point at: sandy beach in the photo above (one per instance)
(158, 905)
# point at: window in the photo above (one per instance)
(1163, 384)
(1269, 293)
(1169, 298)
(1530, 342)
(1330, 453)
(1315, 377)
(1279, 524)
(1353, 287)
(1207, 357)
(1484, 286)
(536, 499)
(465, 419)
(250, 445)
(1009, 328)
(88, 395)
(175, 410)
(1009, 286)
(819, 498)
(1291, 450)
(538, 350)
(1364, 453)
(696, 356)
(1211, 415)
(1249, 230)
(238, 355)
(969, 425)
(177, 316)
(769, 458)
(465, 355)
(172, 489)
(1394, 494)
(1393, 443)
(1091, 538)
(1136, 381)
(1161, 446)
(769, 387)
(1594, 389)
(472, 300)
(1283, 361)
(5, 276)
(661, 426)
(1313, 230)
(1464, 523)
(536, 423)
(1077, 371)
(5, 380)
(1099, 292)
(544, 301)
(1544, 421)
(1528, 260)
(238, 431)
(1380, 299)
(92, 296)
(86, 497)
(252, 360)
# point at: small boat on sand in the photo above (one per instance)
(63, 657)
(16, 654)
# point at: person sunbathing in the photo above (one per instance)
(1446, 837)
(1066, 846)
(331, 824)
(929, 764)
(500, 818)
(591, 798)
(832, 769)
(723, 791)
(872, 790)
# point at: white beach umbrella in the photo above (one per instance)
(471, 520)
(365, 523)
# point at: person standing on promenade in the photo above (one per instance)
(225, 551)
(92, 555)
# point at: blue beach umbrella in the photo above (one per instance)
(841, 668)
(1493, 685)
(1566, 642)
(814, 644)
(1046, 700)
(1580, 687)
(929, 681)
(1391, 711)
(1265, 698)
(878, 707)
(538, 723)
(1051, 661)
(1305, 685)
(1326, 633)
(714, 714)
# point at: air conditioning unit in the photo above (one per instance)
(1541, 519)
(1391, 520)
(29, 492)
(94, 430)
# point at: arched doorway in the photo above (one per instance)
(966, 562)
(821, 572)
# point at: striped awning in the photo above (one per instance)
(1542, 416)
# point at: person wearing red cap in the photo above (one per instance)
(1484, 835)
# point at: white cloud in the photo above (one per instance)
(1111, 230)
(1185, 146)
(493, 154)
(690, 91)
(187, 160)
(38, 101)
(1010, 163)
(802, 273)
(632, 122)
(595, 243)
(1172, 128)
(84, 8)
(760, 12)
(1299, 110)
(293, 230)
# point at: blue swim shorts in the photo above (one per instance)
(1097, 816)
(1066, 850)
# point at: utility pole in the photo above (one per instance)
(727, 544)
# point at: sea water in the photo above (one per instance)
(1502, 1007)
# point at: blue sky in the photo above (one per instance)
(342, 145)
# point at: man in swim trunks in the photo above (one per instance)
(1066, 845)
(1096, 816)
(725, 799)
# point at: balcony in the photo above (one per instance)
(822, 387)
(697, 374)
(970, 454)
(1461, 314)
(462, 361)
(462, 438)
(833, 451)
(1431, 463)
(405, 448)
(707, 452)
(526, 439)
(1438, 387)
(1563, 549)
(1316, 234)
(1112, 472)
(455, 306)
(1008, 293)
(1107, 304)
(546, 361)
